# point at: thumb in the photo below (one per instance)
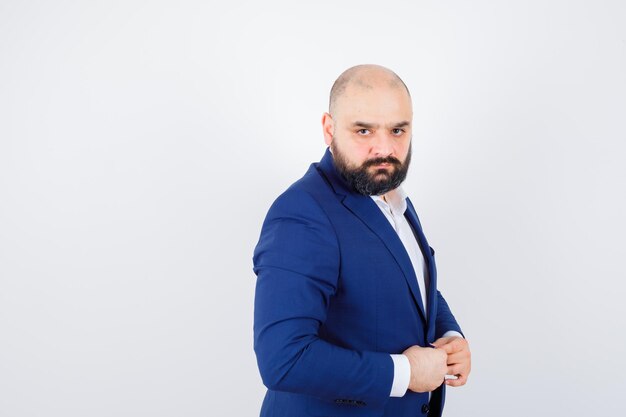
(438, 343)
(447, 347)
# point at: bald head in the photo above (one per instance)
(365, 77)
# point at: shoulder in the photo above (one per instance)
(306, 197)
(296, 230)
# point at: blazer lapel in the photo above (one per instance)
(431, 286)
(366, 209)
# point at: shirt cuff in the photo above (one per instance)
(401, 375)
(452, 333)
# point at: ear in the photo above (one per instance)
(328, 127)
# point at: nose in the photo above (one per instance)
(382, 145)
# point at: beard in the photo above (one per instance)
(376, 183)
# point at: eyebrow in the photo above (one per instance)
(366, 125)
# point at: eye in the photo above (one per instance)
(397, 131)
(362, 131)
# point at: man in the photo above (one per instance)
(348, 320)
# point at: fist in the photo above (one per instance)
(459, 358)
(428, 368)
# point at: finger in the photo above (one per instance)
(449, 348)
(457, 370)
(463, 367)
(458, 344)
(438, 343)
(458, 357)
(451, 344)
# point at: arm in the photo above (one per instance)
(445, 320)
(297, 266)
(453, 342)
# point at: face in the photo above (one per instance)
(369, 136)
(375, 176)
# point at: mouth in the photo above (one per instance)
(383, 165)
(381, 170)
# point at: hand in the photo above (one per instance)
(428, 368)
(459, 358)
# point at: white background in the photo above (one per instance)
(141, 144)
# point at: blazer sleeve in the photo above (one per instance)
(297, 262)
(445, 319)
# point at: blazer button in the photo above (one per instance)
(425, 409)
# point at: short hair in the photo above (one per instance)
(352, 75)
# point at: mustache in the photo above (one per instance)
(377, 161)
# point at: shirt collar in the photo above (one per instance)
(396, 200)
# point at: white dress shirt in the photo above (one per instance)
(394, 209)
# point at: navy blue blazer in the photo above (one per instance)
(336, 293)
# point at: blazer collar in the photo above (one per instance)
(337, 182)
(365, 208)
